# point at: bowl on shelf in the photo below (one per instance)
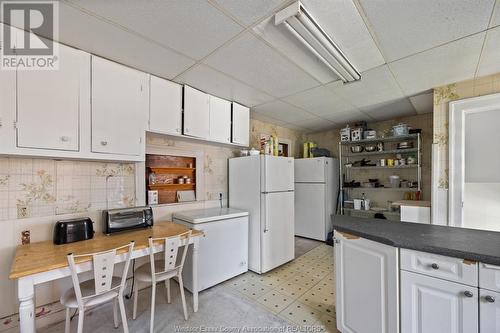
(370, 148)
(356, 149)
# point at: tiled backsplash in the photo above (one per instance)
(42, 187)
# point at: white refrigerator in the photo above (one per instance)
(316, 191)
(264, 186)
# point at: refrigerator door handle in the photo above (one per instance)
(265, 219)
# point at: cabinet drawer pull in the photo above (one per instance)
(435, 266)
(489, 299)
(104, 143)
(468, 294)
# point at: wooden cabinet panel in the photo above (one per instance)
(165, 106)
(434, 305)
(196, 113)
(367, 299)
(220, 120)
(119, 108)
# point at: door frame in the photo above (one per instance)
(457, 112)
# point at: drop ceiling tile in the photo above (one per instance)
(265, 118)
(349, 117)
(376, 86)
(93, 35)
(282, 111)
(250, 60)
(490, 57)
(315, 123)
(495, 19)
(249, 12)
(342, 22)
(320, 101)
(393, 109)
(423, 103)
(218, 84)
(283, 41)
(194, 27)
(407, 27)
(446, 64)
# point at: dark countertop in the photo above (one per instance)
(471, 244)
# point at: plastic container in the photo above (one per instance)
(395, 181)
(400, 130)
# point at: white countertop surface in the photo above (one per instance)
(208, 214)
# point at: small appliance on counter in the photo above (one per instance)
(73, 230)
(116, 220)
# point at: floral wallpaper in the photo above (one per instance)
(42, 187)
(442, 97)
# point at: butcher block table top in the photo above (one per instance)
(44, 256)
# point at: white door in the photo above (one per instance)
(474, 191)
(119, 108)
(366, 286)
(310, 170)
(48, 103)
(489, 311)
(220, 120)
(433, 305)
(196, 113)
(310, 211)
(241, 124)
(277, 225)
(278, 174)
(165, 106)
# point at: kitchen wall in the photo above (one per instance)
(34, 193)
(484, 193)
(330, 140)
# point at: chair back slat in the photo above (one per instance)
(104, 264)
(171, 249)
(171, 252)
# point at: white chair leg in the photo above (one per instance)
(136, 295)
(115, 312)
(68, 320)
(153, 296)
(181, 286)
(123, 314)
(167, 285)
(81, 315)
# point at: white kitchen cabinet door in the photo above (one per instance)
(49, 103)
(241, 124)
(119, 108)
(220, 120)
(196, 113)
(434, 305)
(165, 106)
(366, 286)
(489, 311)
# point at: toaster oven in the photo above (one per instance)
(73, 230)
(116, 220)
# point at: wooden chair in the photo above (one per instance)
(163, 270)
(103, 288)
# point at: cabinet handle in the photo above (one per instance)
(64, 138)
(489, 299)
(104, 143)
(434, 266)
(468, 294)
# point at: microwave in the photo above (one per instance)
(116, 220)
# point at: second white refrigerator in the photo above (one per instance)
(264, 186)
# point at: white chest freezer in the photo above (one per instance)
(223, 251)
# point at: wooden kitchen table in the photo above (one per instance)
(41, 262)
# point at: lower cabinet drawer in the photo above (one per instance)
(448, 268)
(489, 277)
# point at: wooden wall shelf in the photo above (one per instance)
(172, 187)
(174, 170)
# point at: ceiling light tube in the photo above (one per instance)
(296, 18)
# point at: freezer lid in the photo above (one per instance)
(277, 174)
(208, 214)
(311, 170)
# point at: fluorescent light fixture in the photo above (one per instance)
(305, 28)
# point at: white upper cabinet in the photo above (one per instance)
(220, 120)
(196, 113)
(49, 103)
(241, 124)
(165, 106)
(119, 108)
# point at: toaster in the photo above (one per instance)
(73, 230)
(116, 220)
